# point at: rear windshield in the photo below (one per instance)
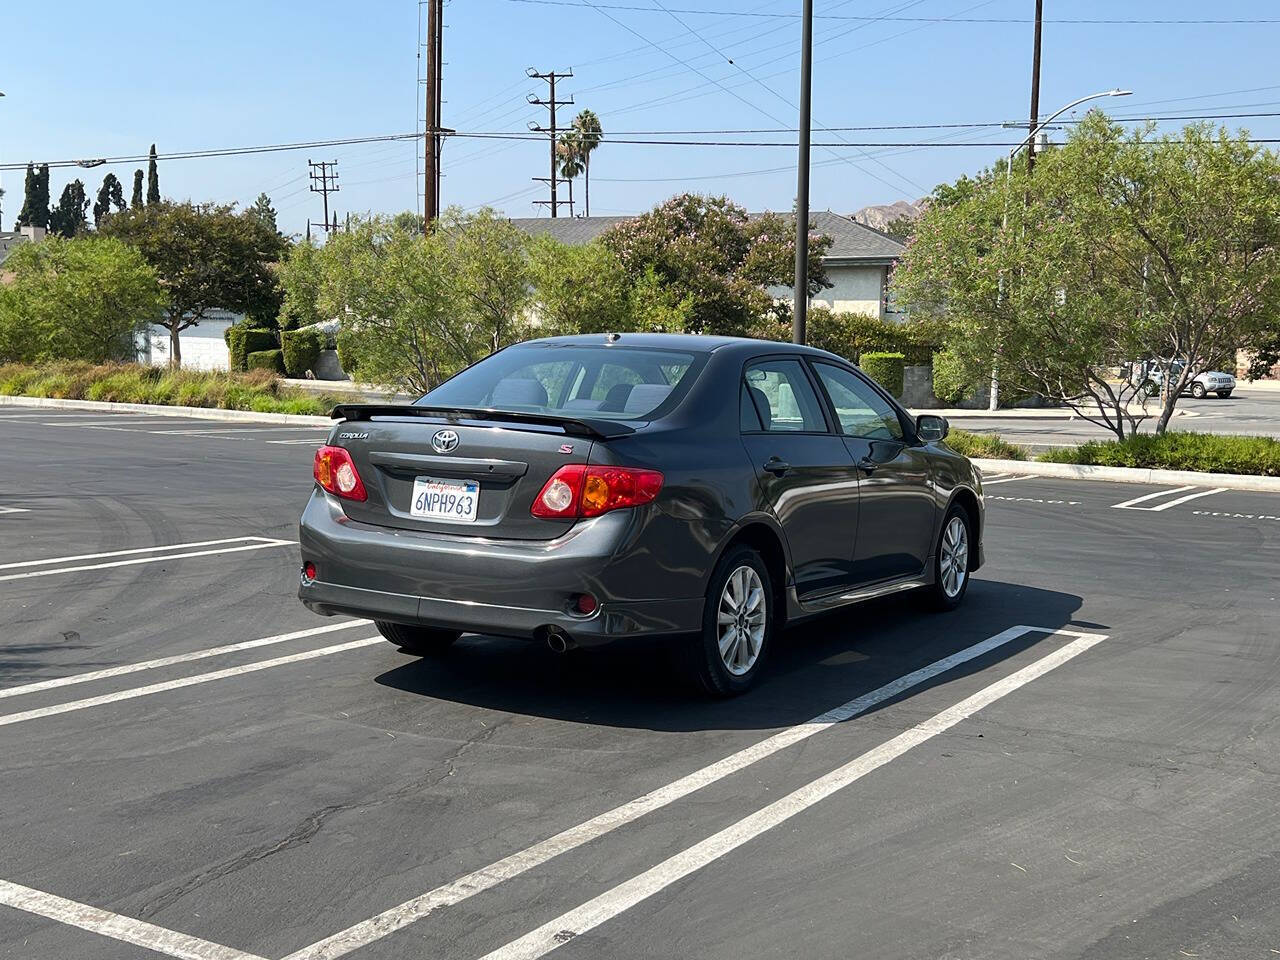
(621, 383)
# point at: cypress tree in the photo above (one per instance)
(136, 200)
(28, 197)
(153, 178)
(67, 218)
(40, 213)
(110, 195)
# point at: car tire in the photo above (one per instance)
(1223, 394)
(1198, 391)
(955, 546)
(420, 641)
(727, 658)
(1150, 388)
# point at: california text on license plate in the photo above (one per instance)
(453, 501)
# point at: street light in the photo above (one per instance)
(994, 403)
(800, 308)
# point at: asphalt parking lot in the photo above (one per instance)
(1081, 762)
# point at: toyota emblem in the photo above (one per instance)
(444, 441)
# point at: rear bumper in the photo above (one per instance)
(503, 587)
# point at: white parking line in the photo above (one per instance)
(247, 543)
(622, 897)
(1133, 504)
(1068, 503)
(14, 510)
(315, 441)
(192, 432)
(117, 927)
(11, 718)
(177, 658)
(396, 918)
(1004, 479)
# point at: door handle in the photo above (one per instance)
(777, 467)
(867, 465)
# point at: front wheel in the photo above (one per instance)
(1150, 388)
(420, 641)
(1198, 391)
(737, 625)
(951, 560)
(1224, 394)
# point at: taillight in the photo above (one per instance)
(335, 471)
(578, 490)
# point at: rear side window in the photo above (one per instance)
(860, 410)
(571, 380)
(783, 397)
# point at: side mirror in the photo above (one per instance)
(931, 429)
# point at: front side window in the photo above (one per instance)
(860, 411)
(783, 398)
(605, 381)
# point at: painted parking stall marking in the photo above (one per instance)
(554, 934)
(113, 925)
(1236, 516)
(49, 567)
(1003, 478)
(1136, 502)
(1064, 503)
(478, 881)
(4, 510)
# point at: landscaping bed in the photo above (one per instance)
(260, 391)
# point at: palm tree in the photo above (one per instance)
(586, 127)
(569, 150)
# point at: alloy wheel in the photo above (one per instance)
(955, 557)
(740, 620)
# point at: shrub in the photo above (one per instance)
(346, 356)
(986, 445)
(301, 349)
(255, 340)
(885, 369)
(950, 381)
(234, 336)
(850, 335)
(272, 360)
(1175, 450)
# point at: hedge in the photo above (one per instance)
(1175, 450)
(987, 445)
(886, 369)
(272, 360)
(950, 384)
(243, 340)
(850, 335)
(301, 350)
(345, 358)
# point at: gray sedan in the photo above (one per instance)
(584, 490)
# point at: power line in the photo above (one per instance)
(1109, 21)
(324, 182)
(552, 132)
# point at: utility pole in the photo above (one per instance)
(1035, 90)
(550, 103)
(324, 181)
(431, 147)
(800, 311)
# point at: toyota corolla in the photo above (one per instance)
(584, 490)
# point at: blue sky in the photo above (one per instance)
(112, 79)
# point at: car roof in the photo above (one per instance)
(686, 342)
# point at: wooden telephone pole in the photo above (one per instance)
(431, 148)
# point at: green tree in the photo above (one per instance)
(569, 155)
(300, 280)
(263, 210)
(35, 203)
(1122, 246)
(153, 178)
(490, 269)
(207, 256)
(110, 194)
(68, 218)
(135, 201)
(408, 221)
(80, 299)
(587, 135)
(708, 252)
(578, 289)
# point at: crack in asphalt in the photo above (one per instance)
(310, 825)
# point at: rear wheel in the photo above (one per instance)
(422, 641)
(1150, 388)
(1198, 391)
(951, 560)
(737, 625)
(1224, 394)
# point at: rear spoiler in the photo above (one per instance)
(580, 426)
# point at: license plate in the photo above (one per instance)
(453, 501)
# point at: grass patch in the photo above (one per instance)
(988, 446)
(260, 390)
(1175, 450)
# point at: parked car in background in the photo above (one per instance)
(583, 490)
(1199, 386)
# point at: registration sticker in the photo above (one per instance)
(453, 501)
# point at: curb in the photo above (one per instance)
(1071, 471)
(159, 410)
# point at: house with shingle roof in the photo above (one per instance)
(857, 264)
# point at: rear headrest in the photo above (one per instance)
(528, 393)
(616, 398)
(645, 397)
(762, 405)
(583, 403)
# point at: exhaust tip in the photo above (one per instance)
(557, 640)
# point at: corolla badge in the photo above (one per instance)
(444, 441)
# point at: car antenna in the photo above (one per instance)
(612, 337)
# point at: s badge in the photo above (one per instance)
(566, 448)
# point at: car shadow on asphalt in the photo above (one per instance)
(820, 664)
